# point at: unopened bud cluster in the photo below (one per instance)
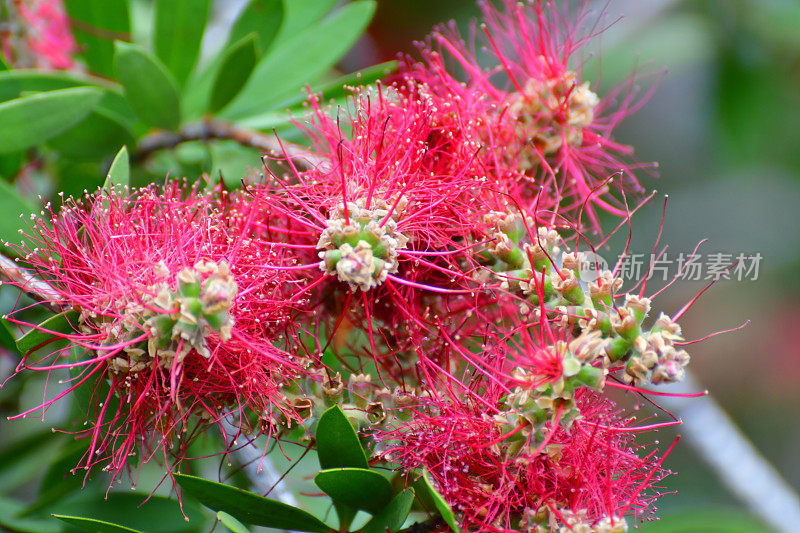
(550, 113)
(359, 245)
(367, 407)
(608, 334)
(179, 315)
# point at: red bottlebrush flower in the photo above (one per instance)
(45, 36)
(497, 476)
(173, 311)
(383, 226)
(532, 113)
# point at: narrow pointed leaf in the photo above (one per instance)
(356, 487)
(337, 441)
(338, 88)
(393, 515)
(237, 65)
(14, 83)
(302, 14)
(32, 120)
(7, 339)
(302, 58)
(138, 511)
(94, 137)
(23, 456)
(178, 31)
(148, 86)
(231, 523)
(424, 484)
(62, 322)
(334, 90)
(12, 205)
(95, 526)
(250, 508)
(59, 480)
(262, 17)
(9, 521)
(96, 24)
(120, 171)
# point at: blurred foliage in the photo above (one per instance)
(67, 126)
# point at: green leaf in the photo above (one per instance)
(356, 487)
(302, 14)
(12, 205)
(91, 388)
(301, 59)
(59, 481)
(96, 24)
(36, 338)
(236, 67)
(250, 508)
(262, 17)
(337, 442)
(179, 26)
(11, 164)
(120, 171)
(9, 510)
(393, 515)
(231, 523)
(424, 485)
(32, 120)
(138, 511)
(148, 86)
(15, 82)
(22, 459)
(340, 87)
(96, 136)
(7, 339)
(334, 90)
(93, 525)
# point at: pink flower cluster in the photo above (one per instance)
(43, 38)
(425, 268)
(153, 281)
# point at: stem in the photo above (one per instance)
(734, 459)
(37, 289)
(216, 129)
(259, 470)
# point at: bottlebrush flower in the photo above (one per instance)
(591, 475)
(384, 226)
(43, 38)
(173, 310)
(531, 111)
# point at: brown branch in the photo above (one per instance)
(215, 129)
(37, 289)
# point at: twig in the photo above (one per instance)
(258, 469)
(734, 459)
(37, 289)
(216, 129)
